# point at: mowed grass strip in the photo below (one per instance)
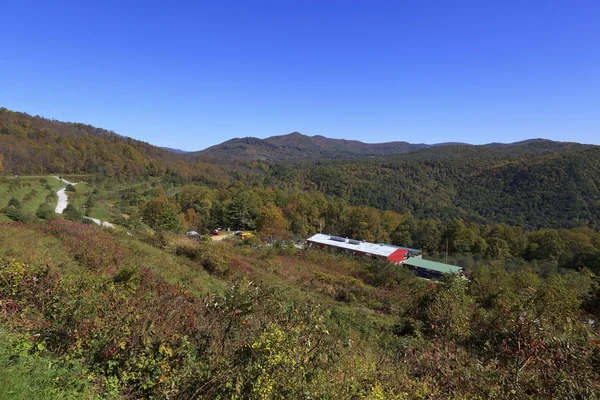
(20, 188)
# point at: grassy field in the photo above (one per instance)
(32, 191)
(29, 190)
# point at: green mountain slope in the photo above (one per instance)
(534, 184)
(33, 145)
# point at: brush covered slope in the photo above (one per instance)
(167, 317)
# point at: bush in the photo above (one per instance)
(46, 212)
(72, 213)
(70, 188)
(51, 196)
(32, 194)
(205, 256)
(16, 214)
(14, 203)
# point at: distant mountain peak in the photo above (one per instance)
(176, 151)
(296, 146)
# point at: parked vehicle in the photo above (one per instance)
(215, 232)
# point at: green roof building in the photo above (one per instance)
(431, 269)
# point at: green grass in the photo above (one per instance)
(101, 209)
(31, 377)
(28, 244)
(27, 184)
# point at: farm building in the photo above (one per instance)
(431, 269)
(412, 258)
(394, 254)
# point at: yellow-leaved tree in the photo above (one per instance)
(271, 223)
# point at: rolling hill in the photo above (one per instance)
(33, 145)
(298, 147)
(535, 183)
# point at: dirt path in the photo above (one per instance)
(63, 201)
(62, 196)
(101, 223)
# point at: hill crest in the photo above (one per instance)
(296, 146)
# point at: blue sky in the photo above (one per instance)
(193, 74)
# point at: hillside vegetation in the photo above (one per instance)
(142, 311)
(32, 145)
(222, 320)
(533, 184)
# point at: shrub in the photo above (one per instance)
(206, 256)
(16, 214)
(70, 188)
(14, 203)
(46, 212)
(32, 194)
(91, 247)
(51, 196)
(72, 213)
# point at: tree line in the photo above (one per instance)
(276, 213)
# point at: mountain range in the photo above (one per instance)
(298, 147)
(534, 183)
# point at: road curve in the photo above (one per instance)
(62, 196)
(63, 201)
(100, 223)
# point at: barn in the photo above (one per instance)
(391, 253)
(411, 258)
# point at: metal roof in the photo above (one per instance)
(378, 249)
(433, 265)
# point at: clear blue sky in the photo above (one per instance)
(193, 74)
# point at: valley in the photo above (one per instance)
(144, 309)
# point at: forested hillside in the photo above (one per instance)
(36, 145)
(534, 184)
(33, 145)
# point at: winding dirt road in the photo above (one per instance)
(63, 201)
(62, 196)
